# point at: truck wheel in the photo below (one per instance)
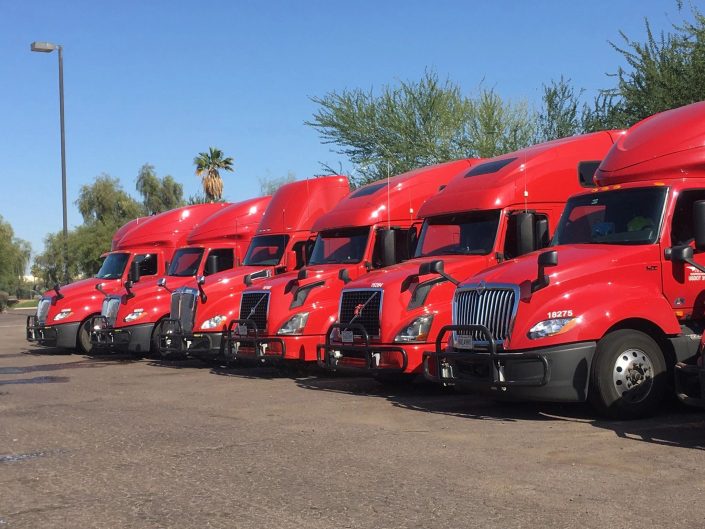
(83, 340)
(628, 378)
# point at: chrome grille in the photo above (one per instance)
(361, 307)
(110, 308)
(492, 307)
(183, 307)
(254, 306)
(43, 310)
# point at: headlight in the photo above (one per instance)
(65, 313)
(551, 327)
(135, 315)
(213, 323)
(295, 324)
(416, 331)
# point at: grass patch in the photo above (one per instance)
(25, 304)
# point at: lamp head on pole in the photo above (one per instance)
(44, 47)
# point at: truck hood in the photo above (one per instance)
(224, 293)
(399, 282)
(321, 288)
(81, 298)
(574, 261)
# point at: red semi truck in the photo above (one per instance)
(128, 319)
(283, 240)
(64, 314)
(286, 317)
(498, 210)
(605, 314)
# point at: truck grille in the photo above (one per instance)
(361, 307)
(254, 306)
(492, 307)
(110, 308)
(43, 310)
(183, 307)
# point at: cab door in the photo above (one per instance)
(683, 284)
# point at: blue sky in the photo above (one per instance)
(160, 81)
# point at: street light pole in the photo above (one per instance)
(47, 47)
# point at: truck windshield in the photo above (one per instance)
(185, 262)
(470, 233)
(340, 246)
(113, 266)
(266, 250)
(625, 216)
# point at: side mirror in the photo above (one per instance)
(524, 225)
(436, 267)
(200, 281)
(545, 259)
(211, 264)
(303, 273)
(386, 247)
(161, 282)
(128, 286)
(699, 224)
(344, 276)
(59, 295)
(99, 288)
(134, 275)
(247, 280)
(431, 267)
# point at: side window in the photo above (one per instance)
(682, 231)
(225, 258)
(147, 264)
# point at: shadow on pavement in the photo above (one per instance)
(674, 425)
(35, 380)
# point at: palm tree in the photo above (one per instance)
(208, 164)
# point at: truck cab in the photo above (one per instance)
(375, 226)
(127, 319)
(607, 312)
(496, 211)
(281, 244)
(146, 244)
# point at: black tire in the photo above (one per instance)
(83, 339)
(628, 376)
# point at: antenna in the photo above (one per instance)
(389, 217)
(526, 191)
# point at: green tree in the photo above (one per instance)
(416, 124)
(105, 201)
(104, 206)
(14, 257)
(208, 167)
(559, 116)
(158, 194)
(665, 71)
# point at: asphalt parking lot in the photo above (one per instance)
(116, 442)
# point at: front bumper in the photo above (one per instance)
(690, 383)
(132, 339)
(360, 356)
(243, 341)
(174, 342)
(62, 335)
(559, 373)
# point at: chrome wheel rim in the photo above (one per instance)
(633, 375)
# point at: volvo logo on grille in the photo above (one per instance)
(481, 288)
